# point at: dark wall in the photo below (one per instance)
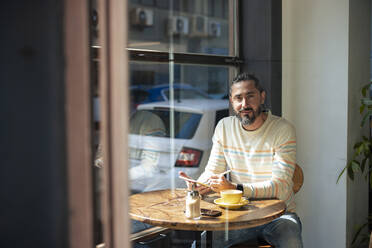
(33, 202)
(261, 46)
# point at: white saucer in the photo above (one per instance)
(219, 202)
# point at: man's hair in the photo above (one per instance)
(245, 77)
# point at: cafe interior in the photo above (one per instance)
(84, 82)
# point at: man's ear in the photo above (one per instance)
(263, 97)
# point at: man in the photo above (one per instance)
(260, 150)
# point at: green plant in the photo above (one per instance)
(362, 157)
(361, 239)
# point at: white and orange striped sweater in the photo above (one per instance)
(262, 160)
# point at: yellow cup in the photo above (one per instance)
(231, 196)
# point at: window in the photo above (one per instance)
(183, 55)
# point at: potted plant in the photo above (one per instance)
(361, 162)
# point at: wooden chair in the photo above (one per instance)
(298, 180)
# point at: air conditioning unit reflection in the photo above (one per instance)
(178, 25)
(214, 29)
(199, 26)
(142, 17)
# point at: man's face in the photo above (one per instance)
(246, 101)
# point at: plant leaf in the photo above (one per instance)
(350, 173)
(361, 108)
(358, 144)
(367, 149)
(365, 117)
(359, 150)
(364, 91)
(355, 165)
(342, 172)
(363, 164)
(359, 229)
(365, 88)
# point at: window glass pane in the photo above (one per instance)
(150, 82)
(174, 109)
(183, 26)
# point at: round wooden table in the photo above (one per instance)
(166, 208)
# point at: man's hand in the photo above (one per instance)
(202, 189)
(219, 182)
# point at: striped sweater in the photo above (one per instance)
(262, 160)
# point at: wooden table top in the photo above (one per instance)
(166, 208)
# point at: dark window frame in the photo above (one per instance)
(183, 58)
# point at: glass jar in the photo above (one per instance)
(193, 204)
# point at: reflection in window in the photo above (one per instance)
(150, 82)
(186, 94)
(156, 123)
(176, 101)
(193, 26)
(174, 105)
(166, 138)
(171, 125)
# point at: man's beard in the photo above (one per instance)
(246, 120)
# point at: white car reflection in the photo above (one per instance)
(155, 157)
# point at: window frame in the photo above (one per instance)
(113, 88)
(78, 125)
(183, 58)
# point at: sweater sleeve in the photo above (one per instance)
(216, 163)
(283, 166)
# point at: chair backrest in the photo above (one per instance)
(298, 179)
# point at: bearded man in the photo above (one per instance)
(260, 150)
